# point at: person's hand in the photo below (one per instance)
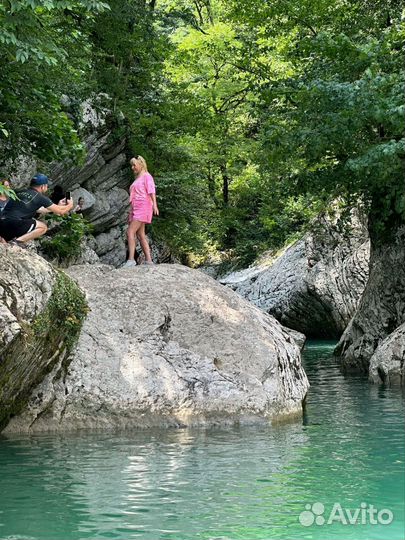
(66, 202)
(155, 210)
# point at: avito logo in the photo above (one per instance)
(366, 514)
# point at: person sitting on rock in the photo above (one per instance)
(79, 206)
(17, 223)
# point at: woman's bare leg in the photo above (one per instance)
(144, 243)
(131, 236)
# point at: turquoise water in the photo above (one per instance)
(239, 483)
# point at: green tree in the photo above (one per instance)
(44, 52)
(335, 126)
(208, 117)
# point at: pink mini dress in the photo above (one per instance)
(139, 197)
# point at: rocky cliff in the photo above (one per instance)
(40, 314)
(167, 346)
(315, 285)
(387, 365)
(102, 180)
(26, 283)
(381, 309)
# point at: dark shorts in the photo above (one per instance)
(14, 228)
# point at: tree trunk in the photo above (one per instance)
(225, 185)
(382, 306)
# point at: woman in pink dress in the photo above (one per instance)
(142, 196)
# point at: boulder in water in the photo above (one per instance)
(165, 345)
(387, 365)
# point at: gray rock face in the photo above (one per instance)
(387, 365)
(89, 198)
(26, 282)
(103, 181)
(111, 246)
(315, 285)
(87, 254)
(299, 338)
(109, 210)
(35, 333)
(382, 306)
(168, 346)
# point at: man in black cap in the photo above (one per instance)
(17, 221)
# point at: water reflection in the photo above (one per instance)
(248, 482)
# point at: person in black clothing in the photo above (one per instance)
(79, 207)
(3, 201)
(3, 197)
(57, 194)
(17, 221)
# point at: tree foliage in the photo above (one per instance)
(340, 116)
(44, 51)
(252, 116)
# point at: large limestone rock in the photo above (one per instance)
(103, 181)
(35, 329)
(387, 365)
(168, 346)
(315, 285)
(382, 306)
(109, 210)
(111, 246)
(26, 282)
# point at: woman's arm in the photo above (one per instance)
(155, 206)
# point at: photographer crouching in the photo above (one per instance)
(17, 223)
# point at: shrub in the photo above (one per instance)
(66, 237)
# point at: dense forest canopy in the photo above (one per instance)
(253, 115)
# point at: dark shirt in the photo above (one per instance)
(3, 203)
(28, 203)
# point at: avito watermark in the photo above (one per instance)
(365, 514)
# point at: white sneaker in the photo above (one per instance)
(129, 264)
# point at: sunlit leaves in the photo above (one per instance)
(335, 125)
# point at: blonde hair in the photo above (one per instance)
(141, 160)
